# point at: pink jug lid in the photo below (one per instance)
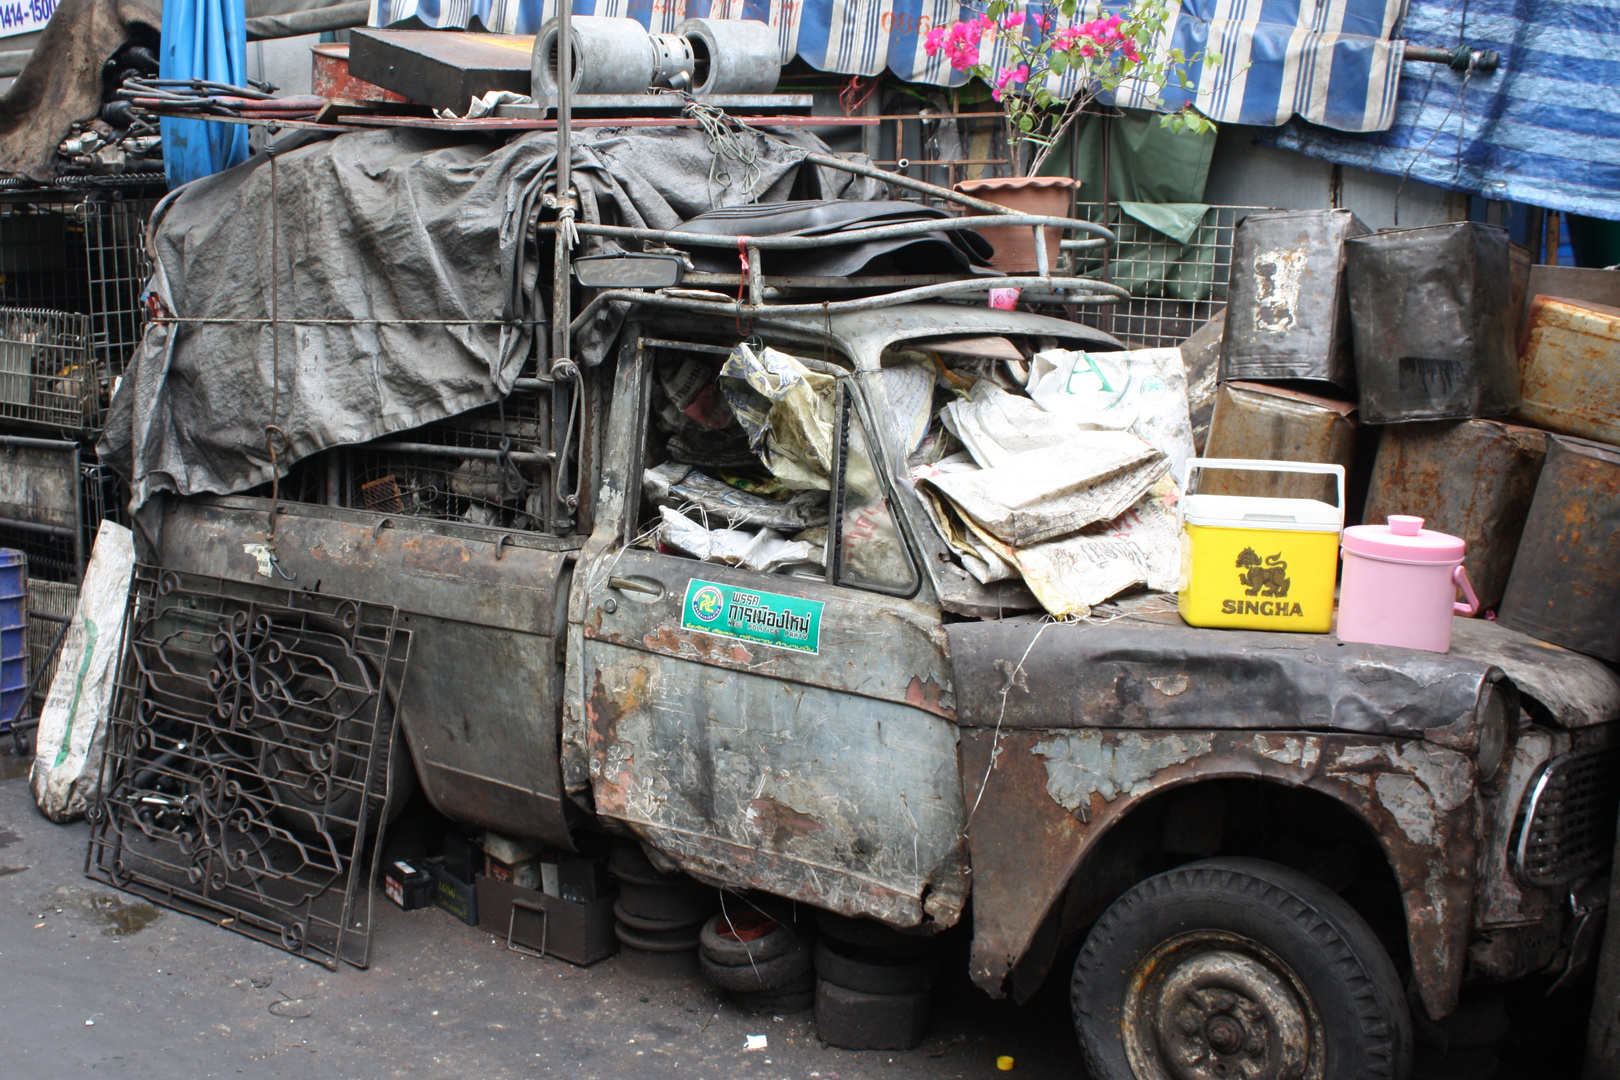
(1404, 538)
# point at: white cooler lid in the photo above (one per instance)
(1254, 512)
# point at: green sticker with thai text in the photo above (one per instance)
(787, 622)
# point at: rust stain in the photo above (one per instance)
(926, 695)
(780, 822)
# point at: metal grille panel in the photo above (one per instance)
(250, 753)
(1568, 824)
(1175, 288)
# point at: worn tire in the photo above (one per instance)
(1221, 959)
(659, 941)
(871, 971)
(762, 975)
(657, 926)
(734, 953)
(682, 901)
(871, 934)
(856, 1021)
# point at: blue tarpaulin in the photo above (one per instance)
(203, 39)
(1543, 130)
(1330, 61)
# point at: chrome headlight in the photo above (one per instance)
(1496, 711)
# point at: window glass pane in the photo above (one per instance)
(871, 551)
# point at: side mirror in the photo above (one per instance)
(629, 271)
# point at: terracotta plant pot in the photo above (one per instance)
(1015, 246)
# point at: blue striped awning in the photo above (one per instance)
(1331, 62)
(1544, 129)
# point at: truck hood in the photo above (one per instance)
(1152, 671)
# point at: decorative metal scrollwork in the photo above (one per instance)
(252, 751)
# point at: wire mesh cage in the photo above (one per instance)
(1176, 285)
(47, 371)
(72, 268)
(485, 467)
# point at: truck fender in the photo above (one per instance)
(1041, 800)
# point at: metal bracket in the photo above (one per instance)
(511, 924)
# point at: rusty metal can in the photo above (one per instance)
(1252, 420)
(1434, 322)
(1471, 478)
(1287, 316)
(1569, 368)
(1565, 585)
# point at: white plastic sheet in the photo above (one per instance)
(676, 486)
(765, 551)
(71, 742)
(1143, 391)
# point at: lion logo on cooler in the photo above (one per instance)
(1263, 579)
(708, 603)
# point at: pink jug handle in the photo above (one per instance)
(1459, 577)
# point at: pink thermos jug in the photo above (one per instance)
(1400, 585)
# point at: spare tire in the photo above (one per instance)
(662, 941)
(773, 974)
(637, 922)
(871, 971)
(749, 941)
(871, 934)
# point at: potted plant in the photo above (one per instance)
(1041, 49)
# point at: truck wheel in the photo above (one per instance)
(1237, 968)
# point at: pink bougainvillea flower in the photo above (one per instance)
(962, 46)
(1128, 47)
(935, 41)
(1014, 20)
(1043, 21)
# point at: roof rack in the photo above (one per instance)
(774, 294)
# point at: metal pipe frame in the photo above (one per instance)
(853, 236)
(1092, 292)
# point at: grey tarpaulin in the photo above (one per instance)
(378, 227)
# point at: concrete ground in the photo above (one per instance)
(94, 982)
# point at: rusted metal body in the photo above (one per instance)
(1569, 368)
(556, 682)
(1470, 478)
(1434, 323)
(1287, 316)
(1054, 794)
(1201, 355)
(1252, 420)
(479, 703)
(1565, 585)
(330, 78)
(1049, 771)
(1575, 283)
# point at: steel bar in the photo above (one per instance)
(851, 236)
(521, 457)
(1092, 292)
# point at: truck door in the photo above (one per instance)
(786, 731)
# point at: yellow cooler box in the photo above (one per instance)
(1259, 564)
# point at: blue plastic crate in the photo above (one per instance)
(13, 634)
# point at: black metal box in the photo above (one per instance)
(578, 933)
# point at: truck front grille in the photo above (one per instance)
(1567, 822)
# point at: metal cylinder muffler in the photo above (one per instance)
(611, 56)
(733, 56)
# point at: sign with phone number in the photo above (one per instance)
(24, 16)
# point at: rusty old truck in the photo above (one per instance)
(1274, 847)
